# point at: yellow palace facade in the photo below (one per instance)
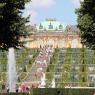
(53, 32)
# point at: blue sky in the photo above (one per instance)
(63, 10)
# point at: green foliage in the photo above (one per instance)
(16, 94)
(61, 91)
(30, 62)
(12, 24)
(25, 70)
(22, 76)
(19, 79)
(48, 69)
(86, 22)
(57, 91)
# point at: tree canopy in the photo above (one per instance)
(86, 22)
(12, 23)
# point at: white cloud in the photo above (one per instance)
(76, 3)
(31, 8)
(30, 11)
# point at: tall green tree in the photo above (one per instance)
(86, 22)
(12, 23)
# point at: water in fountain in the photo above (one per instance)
(11, 70)
(53, 83)
(42, 85)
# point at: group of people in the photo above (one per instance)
(45, 54)
(22, 88)
(18, 88)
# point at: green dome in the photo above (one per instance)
(52, 25)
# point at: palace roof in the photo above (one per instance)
(51, 25)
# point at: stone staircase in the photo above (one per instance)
(34, 74)
(37, 70)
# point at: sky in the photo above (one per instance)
(62, 10)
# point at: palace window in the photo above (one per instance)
(56, 29)
(60, 26)
(50, 26)
(40, 27)
(44, 29)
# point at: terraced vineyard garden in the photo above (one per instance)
(24, 60)
(69, 68)
(72, 68)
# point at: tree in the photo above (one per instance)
(86, 22)
(12, 24)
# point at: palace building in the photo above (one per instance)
(55, 33)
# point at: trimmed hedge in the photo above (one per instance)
(15, 94)
(60, 91)
(56, 91)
